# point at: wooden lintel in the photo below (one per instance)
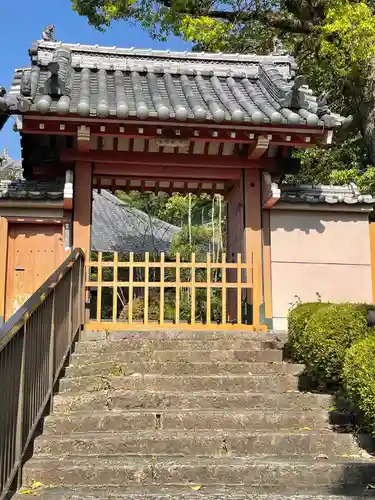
(165, 160)
(160, 172)
(171, 188)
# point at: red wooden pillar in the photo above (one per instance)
(253, 238)
(82, 206)
(244, 236)
(234, 242)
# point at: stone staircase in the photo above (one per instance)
(188, 416)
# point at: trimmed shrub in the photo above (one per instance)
(358, 377)
(329, 333)
(297, 321)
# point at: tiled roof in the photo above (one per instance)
(118, 227)
(108, 81)
(324, 194)
(31, 190)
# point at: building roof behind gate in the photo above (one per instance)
(184, 86)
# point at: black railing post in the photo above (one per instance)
(20, 412)
(82, 291)
(70, 316)
(52, 351)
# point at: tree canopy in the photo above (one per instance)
(333, 42)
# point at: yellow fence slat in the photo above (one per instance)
(162, 291)
(131, 281)
(223, 291)
(99, 294)
(193, 289)
(217, 278)
(115, 287)
(178, 288)
(146, 294)
(239, 289)
(208, 291)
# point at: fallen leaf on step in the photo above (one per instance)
(36, 484)
(25, 491)
(306, 429)
(321, 457)
(196, 487)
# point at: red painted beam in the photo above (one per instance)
(165, 173)
(165, 160)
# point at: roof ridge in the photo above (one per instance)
(230, 56)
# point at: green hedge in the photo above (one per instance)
(359, 378)
(320, 335)
(297, 321)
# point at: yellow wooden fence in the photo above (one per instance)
(128, 293)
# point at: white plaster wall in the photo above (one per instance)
(318, 252)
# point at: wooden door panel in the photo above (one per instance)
(34, 252)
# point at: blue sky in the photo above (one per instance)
(23, 21)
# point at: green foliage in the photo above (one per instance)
(329, 333)
(332, 40)
(347, 37)
(212, 34)
(359, 378)
(325, 165)
(198, 244)
(150, 203)
(298, 318)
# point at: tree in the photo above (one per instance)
(333, 41)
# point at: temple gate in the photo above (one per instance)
(123, 119)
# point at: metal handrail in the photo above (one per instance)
(34, 345)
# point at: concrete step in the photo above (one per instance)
(185, 492)
(184, 356)
(120, 421)
(149, 400)
(175, 334)
(255, 472)
(185, 383)
(215, 443)
(111, 368)
(137, 344)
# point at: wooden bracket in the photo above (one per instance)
(260, 147)
(83, 139)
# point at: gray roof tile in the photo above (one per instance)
(324, 194)
(31, 190)
(108, 81)
(118, 227)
